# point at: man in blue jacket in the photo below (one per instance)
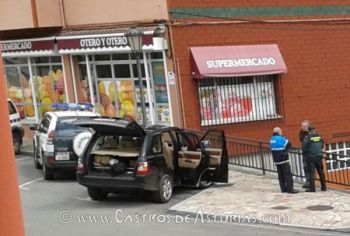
(279, 145)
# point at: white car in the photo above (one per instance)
(53, 141)
(16, 127)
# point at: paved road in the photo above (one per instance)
(62, 207)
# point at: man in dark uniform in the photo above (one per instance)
(279, 145)
(302, 134)
(312, 149)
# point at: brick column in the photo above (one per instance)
(11, 221)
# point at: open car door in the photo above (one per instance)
(214, 144)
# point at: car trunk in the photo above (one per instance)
(114, 155)
(116, 147)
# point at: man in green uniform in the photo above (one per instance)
(312, 150)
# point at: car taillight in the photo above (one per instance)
(81, 168)
(143, 168)
(50, 137)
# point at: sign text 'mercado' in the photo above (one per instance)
(26, 45)
(261, 61)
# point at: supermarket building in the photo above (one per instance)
(241, 66)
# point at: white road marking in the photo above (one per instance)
(23, 158)
(83, 199)
(30, 182)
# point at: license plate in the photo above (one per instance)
(62, 156)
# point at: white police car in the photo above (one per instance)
(53, 138)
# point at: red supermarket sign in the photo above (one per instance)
(27, 45)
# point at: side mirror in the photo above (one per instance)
(33, 127)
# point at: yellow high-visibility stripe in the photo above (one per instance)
(315, 139)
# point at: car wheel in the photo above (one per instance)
(47, 172)
(97, 194)
(16, 144)
(165, 191)
(37, 165)
(205, 184)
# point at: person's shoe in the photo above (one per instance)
(310, 190)
(323, 188)
(293, 191)
(306, 185)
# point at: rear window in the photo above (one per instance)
(12, 109)
(65, 126)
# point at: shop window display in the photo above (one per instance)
(160, 92)
(115, 82)
(19, 88)
(45, 85)
(83, 85)
(49, 83)
(116, 99)
(237, 99)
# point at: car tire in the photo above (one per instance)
(205, 184)
(47, 172)
(165, 191)
(97, 194)
(37, 165)
(16, 143)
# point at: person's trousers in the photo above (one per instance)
(285, 177)
(306, 169)
(315, 164)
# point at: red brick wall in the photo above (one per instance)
(316, 87)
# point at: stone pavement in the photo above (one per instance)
(250, 198)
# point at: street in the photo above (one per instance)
(62, 207)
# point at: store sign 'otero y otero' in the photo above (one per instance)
(103, 42)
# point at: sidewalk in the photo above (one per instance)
(250, 198)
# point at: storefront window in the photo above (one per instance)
(117, 98)
(236, 99)
(116, 85)
(122, 71)
(19, 88)
(103, 71)
(160, 92)
(49, 83)
(83, 85)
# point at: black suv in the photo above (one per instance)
(121, 155)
